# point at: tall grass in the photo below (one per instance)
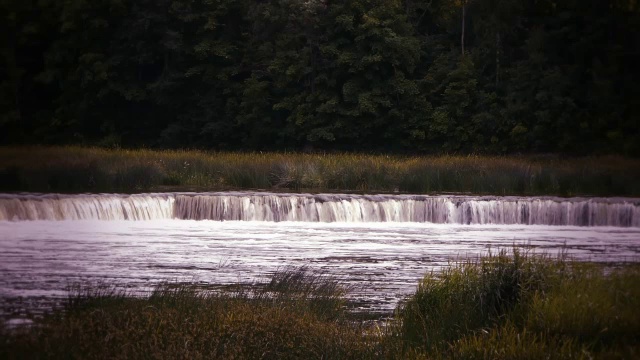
(505, 306)
(523, 306)
(74, 169)
(292, 317)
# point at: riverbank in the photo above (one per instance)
(76, 169)
(506, 306)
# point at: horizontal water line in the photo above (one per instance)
(262, 206)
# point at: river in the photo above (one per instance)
(380, 245)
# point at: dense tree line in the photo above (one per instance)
(370, 75)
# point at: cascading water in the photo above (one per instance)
(380, 245)
(86, 207)
(247, 206)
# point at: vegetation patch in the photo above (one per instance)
(505, 306)
(427, 76)
(524, 306)
(77, 169)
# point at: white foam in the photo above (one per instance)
(250, 206)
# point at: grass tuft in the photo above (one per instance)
(522, 305)
(471, 296)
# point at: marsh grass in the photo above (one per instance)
(523, 306)
(286, 318)
(74, 169)
(514, 305)
(471, 296)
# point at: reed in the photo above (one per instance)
(471, 296)
(503, 306)
(76, 169)
(523, 306)
(287, 318)
(587, 314)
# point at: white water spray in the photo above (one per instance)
(248, 206)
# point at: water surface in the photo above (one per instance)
(383, 261)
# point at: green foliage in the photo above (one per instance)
(509, 342)
(523, 306)
(590, 306)
(356, 75)
(471, 296)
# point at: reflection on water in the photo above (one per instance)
(383, 261)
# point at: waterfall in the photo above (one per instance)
(86, 207)
(249, 206)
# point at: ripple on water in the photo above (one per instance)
(381, 262)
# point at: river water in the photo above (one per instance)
(378, 245)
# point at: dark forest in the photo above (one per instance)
(412, 76)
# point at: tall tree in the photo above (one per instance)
(27, 27)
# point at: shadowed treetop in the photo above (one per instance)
(481, 76)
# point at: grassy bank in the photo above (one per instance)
(74, 169)
(514, 306)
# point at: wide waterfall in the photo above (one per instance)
(86, 207)
(254, 206)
